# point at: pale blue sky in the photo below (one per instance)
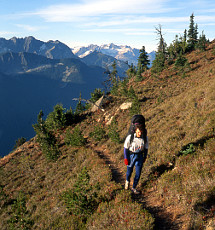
(123, 22)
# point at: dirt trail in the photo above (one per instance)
(163, 218)
(117, 173)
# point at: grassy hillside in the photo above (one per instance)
(83, 188)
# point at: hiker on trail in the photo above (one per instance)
(135, 153)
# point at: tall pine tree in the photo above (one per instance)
(192, 34)
(143, 63)
(143, 60)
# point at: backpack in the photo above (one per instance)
(137, 119)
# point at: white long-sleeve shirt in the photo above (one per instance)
(137, 145)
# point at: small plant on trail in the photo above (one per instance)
(188, 150)
(75, 138)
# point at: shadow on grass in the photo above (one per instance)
(199, 143)
(207, 208)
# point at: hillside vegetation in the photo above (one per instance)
(81, 187)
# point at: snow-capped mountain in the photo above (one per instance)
(124, 53)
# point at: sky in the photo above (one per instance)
(122, 22)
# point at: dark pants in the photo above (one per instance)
(136, 160)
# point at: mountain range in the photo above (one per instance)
(50, 49)
(123, 53)
(33, 79)
(37, 75)
(76, 179)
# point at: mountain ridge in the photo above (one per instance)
(50, 49)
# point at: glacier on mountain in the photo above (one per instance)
(120, 52)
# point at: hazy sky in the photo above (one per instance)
(123, 22)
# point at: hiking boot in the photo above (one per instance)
(127, 184)
(135, 191)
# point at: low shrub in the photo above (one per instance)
(98, 134)
(180, 61)
(113, 132)
(19, 142)
(20, 217)
(75, 138)
(46, 139)
(135, 107)
(81, 200)
(56, 119)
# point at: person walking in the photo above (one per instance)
(135, 153)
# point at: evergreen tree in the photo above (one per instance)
(159, 63)
(46, 138)
(131, 72)
(202, 42)
(143, 60)
(184, 41)
(192, 34)
(56, 119)
(19, 142)
(143, 63)
(112, 82)
(80, 107)
(96, 94)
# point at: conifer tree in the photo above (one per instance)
(159, 62)
(202, 42)
(192, 34)
(143, 60)
(80, 107)
(131, 72)
(184, 41)
(143, 63)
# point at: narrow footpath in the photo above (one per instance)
(163, 218)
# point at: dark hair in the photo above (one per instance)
(139, 126)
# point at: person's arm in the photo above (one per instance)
(126, 156)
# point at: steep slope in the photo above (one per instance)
(178, 177)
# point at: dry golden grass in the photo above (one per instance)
(179, 110)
